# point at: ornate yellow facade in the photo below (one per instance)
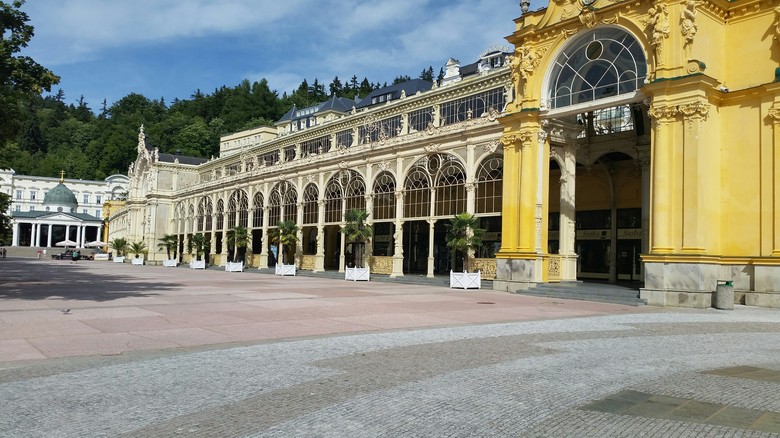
(699, 80)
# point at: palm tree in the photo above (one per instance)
(120, 245)
(464, 235)
(138, 248)
(357, 232)
(285, 233)
(238, 237)
(197, 242)
(168, 242)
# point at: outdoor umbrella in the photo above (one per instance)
(95, 243)
(66, 243)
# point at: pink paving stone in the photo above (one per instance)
(95, 344)
(18, 349)
(397, 320)
(132, 324)
(42, 328)
(185, 337)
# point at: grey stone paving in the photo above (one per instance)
(513, 379)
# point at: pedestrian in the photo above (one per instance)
(2, 252)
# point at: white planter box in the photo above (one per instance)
(137, 261)
(357, 274)
(284, 269)
(119, 259)
(103, 257)
(198, 264)
(234, 267)
(170, 263)
(466, 280)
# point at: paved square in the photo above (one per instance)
(151, 351)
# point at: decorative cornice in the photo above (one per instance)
(663, 114)
(694, 109)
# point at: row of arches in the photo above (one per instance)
(435, 189)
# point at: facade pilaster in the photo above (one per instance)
(319, 259)
(663, 117)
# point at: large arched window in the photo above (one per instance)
(603, 63)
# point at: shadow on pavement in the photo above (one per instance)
(31, 280)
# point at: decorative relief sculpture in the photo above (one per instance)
(774, 113)
(776, 24)
(588, 18)
(657, 25)
(524, 62)
(688, 25)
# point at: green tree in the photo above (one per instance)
(120, 245)
(357, 232)
(238, 239)
(285, 234)
(20, 76)
(169, 243)
(463, 236)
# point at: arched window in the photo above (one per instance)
(257, 216)
(310, 205)
(384, 197)
(450, 190)
(603, 63)
(489, 185)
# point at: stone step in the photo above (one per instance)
(588, 292)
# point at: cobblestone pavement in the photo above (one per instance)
(652, 372)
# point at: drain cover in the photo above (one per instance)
(484, 302)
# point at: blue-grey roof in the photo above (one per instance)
(338, 104)
(183, 159)
(410, 87)
(60, 195)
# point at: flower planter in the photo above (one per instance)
(466, 280)
(139, 261)
(103, 257)
(198, 264)
(120, 259)
(284, 269)
(357, 274)
(234, 267)
(170, 263)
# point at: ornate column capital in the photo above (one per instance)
(694, 110)
(663, 113)
(774, 114)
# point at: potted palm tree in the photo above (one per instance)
(169, 243)
(284, 235)
(121, 246)
(138, 249)
(238, 238)
(358, 233)
(197, 243)
(464, 236)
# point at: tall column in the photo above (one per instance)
(319, 260)
(299, 234)
(67, 232)
(369, 247)
(15, 238)
(48, 237)
(693, 212)
(431, 226)
(264, 246)
(568, 214)
(774, 116)
(398, 236)
(79, 232)
(661, 174)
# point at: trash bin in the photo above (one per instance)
(724, 295)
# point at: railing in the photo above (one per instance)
(307, 261)
(487, 267)
(553, 262)
(381, 264)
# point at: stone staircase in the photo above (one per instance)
(589, 291)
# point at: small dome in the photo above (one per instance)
(60, 195)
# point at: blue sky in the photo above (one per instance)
(106, 49)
